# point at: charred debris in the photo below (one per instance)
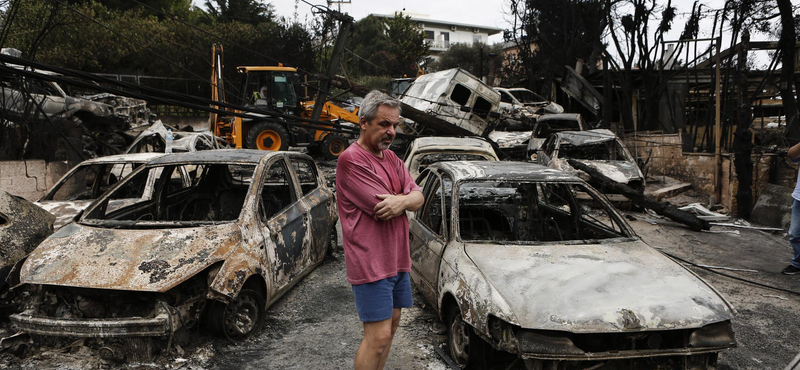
(456, 103)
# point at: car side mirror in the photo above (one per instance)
(466, 108)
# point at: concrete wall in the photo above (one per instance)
(664, 156)
(30, 179)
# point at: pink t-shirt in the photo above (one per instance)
(373, 249)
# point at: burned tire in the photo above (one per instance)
(464, 347)
(239, 319)
(268, 136)
(333, 145)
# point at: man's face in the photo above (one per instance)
(380, 131)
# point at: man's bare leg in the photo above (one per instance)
(395, 324)
(377, 338)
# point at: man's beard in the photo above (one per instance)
(382, 145)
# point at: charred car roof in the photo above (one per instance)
(586, 137)
(470, 170)
(120, 158)
(560, 116)
(218, 156)
(440, 142)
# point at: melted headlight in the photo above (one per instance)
(547, 343)
(714, 335)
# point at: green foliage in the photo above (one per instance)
(375, 82)
(477, 58)
(390, 46)
(89, 36)
(245, 11)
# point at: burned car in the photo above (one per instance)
(86, 182)
(153, 140)
(425, 151)
(550, 124)
(22, 227)
(519, 100)
(599, 149)
(509, 255)
(28, 98)
(247, 227)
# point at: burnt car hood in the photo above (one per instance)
(619, 171)
(511, 139)
(64, 211)
(597, 288)
(153, 260)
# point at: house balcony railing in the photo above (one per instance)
(436, 44)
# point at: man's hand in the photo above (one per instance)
(392, 206)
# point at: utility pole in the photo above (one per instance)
(345, 22)
(718, 123)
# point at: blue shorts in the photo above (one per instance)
(375, 300)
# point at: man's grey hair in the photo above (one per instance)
(371, 102)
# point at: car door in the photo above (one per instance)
(545, 155)
(317, 201)
(284, 221)
(428, 233)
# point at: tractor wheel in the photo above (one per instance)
(268, 136)
(333, 145)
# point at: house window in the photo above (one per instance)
(477, 39)
(428, 35)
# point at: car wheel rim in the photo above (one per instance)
(241, 317)
(459, 341)
(268, 140)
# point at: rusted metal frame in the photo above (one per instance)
(95, 328)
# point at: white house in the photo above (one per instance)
(441, 34)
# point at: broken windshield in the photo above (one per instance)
(609, 150)
(516, 211)
(188, 194)
(527, 96)
(545, 128)
(90, 181)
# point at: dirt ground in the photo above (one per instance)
(315, 326)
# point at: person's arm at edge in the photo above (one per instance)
(392, 206)
(794, 152)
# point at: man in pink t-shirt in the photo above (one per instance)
(373, 192)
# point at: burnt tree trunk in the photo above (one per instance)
(662, 208)
(788, 44)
